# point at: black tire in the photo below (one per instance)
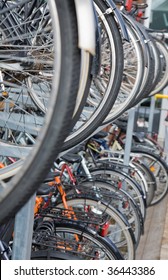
(98, 212)
(86, 238)
(113, 85)
(52, 255)
(150, 179)
(133, 73)
(149, 77)
(57, 126)
(160, 170)
(117, 198)
(136, 192)
(163, 80)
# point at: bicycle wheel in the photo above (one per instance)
(139, 172)
(106, 84)
(41, 100)
(117, 198)
(159, 169)
(163, 81)
(75, 240)
(24, 49)
(132, 74)
(128, 184)
(149, 70)
(150, 179)
(105, 219)
(52, 255)
(116, 163)
(149, 143)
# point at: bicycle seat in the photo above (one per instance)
(121, 124)
(139, 137)
(44, 189)
(100, 134)
(77, 149)
(71, 157)
(50, 176)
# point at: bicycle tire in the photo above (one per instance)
(133, 172)
(24, 184)
(136, 192)
(51, 255)
(133, 70)
(150, 179)
(161, 179)
(111, 92)
(149, 68)
(116, 197)
(163, 81)
(125, 246)
(86, 237)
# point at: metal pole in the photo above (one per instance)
(23, 230)
(148, 13)
(166, 141)
(151, 115)
(128, 143)
(164, 107)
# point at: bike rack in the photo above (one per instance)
(164, 96)
(151, 114)
(166, 142)
(129, 132)
(23, 230)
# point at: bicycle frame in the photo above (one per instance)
(40, 202)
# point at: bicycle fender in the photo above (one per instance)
(96, 64)
(86, 25)
(120, 20)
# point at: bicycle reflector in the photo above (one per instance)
(128, 5)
